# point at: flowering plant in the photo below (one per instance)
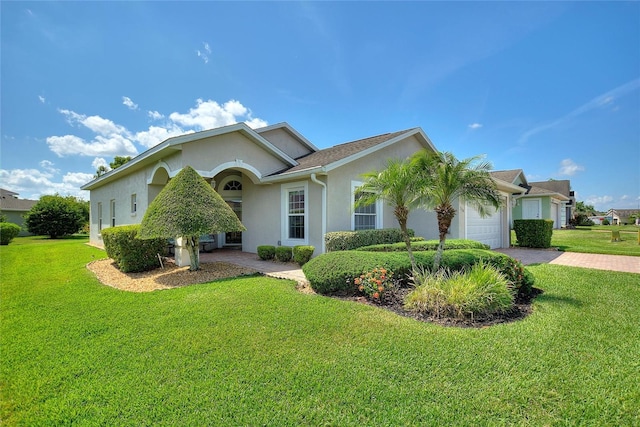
(375, 282)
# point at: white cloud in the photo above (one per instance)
(157, 134)
(48, 166)
(33, 183)
(114, 145)
(624, 197)
(475, 126)
(256, 123)
(601, 203)
(99, 161)
(569, 167)
(42, 99)
(209, 114)
(96, 124)
(154, 115)
(129, 103)
(204, 54)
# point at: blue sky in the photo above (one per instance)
(552, 88)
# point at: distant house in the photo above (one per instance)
(541, 199)
(14, 208)
(623, 216)
(284, 189)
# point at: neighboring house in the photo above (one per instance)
(284, 189)
(14, 209)
(541, 200)
(623, 216)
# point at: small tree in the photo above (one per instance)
(55, 216)
(188, 207)
(445, 179)
(399, 188)
(102, 169)
(119, 161)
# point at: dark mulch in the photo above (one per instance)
(394, 301)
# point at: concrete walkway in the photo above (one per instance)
(625, 263)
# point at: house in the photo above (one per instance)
(624, 216)
(14, 209)
(284, 189)
(542, 199)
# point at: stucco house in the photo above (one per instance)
(541, 199)
(284, 189)
(14, 209)
(624, 216)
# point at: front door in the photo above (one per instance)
(234, 237)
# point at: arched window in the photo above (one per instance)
(233, 186)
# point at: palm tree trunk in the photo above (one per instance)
(193, 246)
(445, 215)
(402, 213)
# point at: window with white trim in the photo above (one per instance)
(295, 224)
(367, 217)
(112, 210)
(134, 204)
(99, 216)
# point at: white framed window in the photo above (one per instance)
(112, 212)
(99, 216)
(295, 214)
(365, 217)
(134, 204)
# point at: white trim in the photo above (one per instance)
(284, 200)
(291, 130)
(324, 208)
(378, 203)
(159, 165)
(237, 164)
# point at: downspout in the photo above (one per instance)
(324, 207)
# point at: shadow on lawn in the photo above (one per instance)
(556, 299)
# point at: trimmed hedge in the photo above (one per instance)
(347, 240)
(266, 252)
(533, 233)
(8, 231)
(425, 245)
(302, 254)
(284, 253)
(131, 254)
(333, 273)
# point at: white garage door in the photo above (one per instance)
(487, 230)
(554, 214)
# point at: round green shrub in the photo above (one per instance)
(8, 231)
(266, 252)
(302, 254)
(284, 253)
(334, 272)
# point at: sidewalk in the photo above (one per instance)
(624, 263)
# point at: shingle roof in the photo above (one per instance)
(333, 154)
(10, 202)
(562, 186)
(507, 176)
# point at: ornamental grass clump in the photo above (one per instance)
(375, 283)
(479, 291)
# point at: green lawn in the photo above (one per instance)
(254, 351)
(595, 240)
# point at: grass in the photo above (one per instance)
(254, 351)
(595, 240)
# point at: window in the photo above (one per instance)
(295, 214)
(134, 204)
(113, 213)
(233, 186)
(99, 216)
(365, 217)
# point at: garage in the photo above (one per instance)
(487, 230)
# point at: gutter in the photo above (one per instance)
(324, 207)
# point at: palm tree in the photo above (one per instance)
(448, 179)
(397, 187)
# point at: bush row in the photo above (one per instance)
(300, 254)
(425, 245)
(334, 272)
(130, 253)
(348, 240)
(533, 233)
(8, 231)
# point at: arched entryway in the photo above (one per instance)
(230, 189)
